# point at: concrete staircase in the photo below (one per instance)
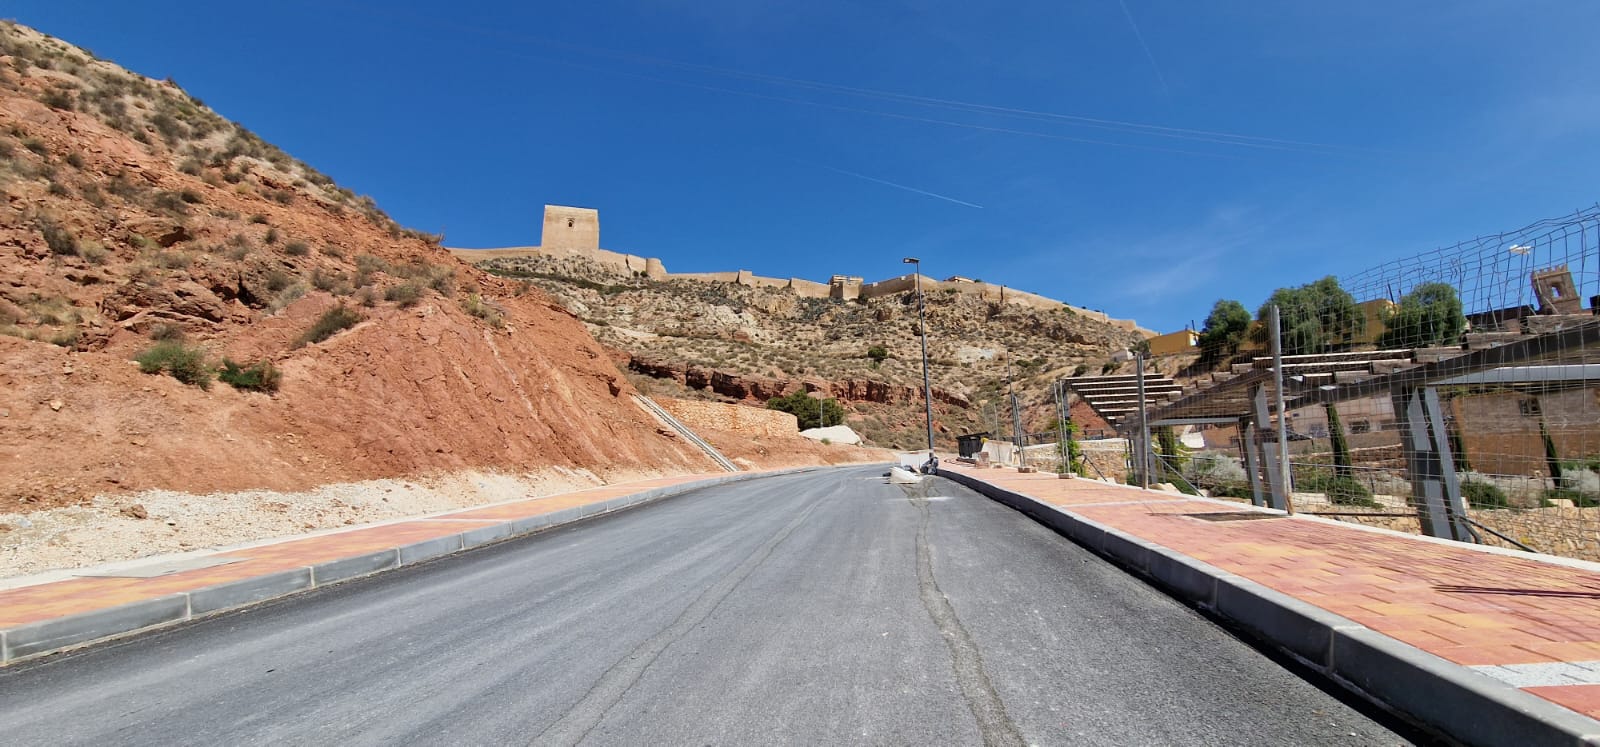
(1116, 398)
(666, 418)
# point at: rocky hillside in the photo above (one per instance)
(287, 332)
(741, 343)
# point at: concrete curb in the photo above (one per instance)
(73, 631)
(1439, 695)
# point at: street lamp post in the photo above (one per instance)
(922, 332)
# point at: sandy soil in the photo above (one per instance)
(154, 522)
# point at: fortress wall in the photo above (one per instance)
(756, 281)
(654, 269)
(1092, 314)
(808, 289)
(1032, 300)
(636, 265)
(892, 286)
(714, 277)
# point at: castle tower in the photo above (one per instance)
(844, 287)
(1553, 288)
(570, 228)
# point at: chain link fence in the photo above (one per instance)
(1455, 393)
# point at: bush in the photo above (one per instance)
(277, 280)
(405, 295)
(1578, 497)
(256, 377)
(171, 202)
(297, 249)
(1341, 491)
(1233, 490)
(93, 252)
(1479, 494)
(330, 323)
(475, 305)
(66, 338)
(878, 354)
(807, 409)
(60, 241)
(331, 282)
(166, 332)
(58, 98)
(186, 363)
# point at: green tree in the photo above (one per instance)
(1316, 318)
(877, 353)
(1342, 464)
(811, 412)
(1429, 315)
(1224, 330)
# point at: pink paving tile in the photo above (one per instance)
(1584, 699)
(1477, 607)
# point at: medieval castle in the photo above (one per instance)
(575, 232)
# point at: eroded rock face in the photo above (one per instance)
(761, 388)
(114, 231)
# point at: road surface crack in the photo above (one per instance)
(965, 661)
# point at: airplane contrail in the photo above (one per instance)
(886, 182)
(1142, 45)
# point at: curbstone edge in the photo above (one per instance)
(62, 632)
(1447, 697)
(247, 590)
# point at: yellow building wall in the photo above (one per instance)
(1182, 341)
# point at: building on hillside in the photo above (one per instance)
(1373, 313)
(1172, 343)
(1506, 432)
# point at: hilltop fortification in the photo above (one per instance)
(575, 232)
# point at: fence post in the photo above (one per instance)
(1271, 460)
(1143, 451)
(1247, 444)
(1285, 477)
(1440, 508)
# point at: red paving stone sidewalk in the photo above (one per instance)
(31, 604)
(1523, 620)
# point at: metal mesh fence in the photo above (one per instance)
(1454, 393)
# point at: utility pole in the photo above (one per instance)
(922, 332)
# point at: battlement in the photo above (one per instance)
(575, 232)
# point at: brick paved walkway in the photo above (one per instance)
(1525, 620)
(30, 604)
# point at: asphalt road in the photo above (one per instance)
(821, 608)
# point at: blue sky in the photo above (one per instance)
(1021, 144)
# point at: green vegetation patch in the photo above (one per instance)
(330, 323)
(186, 363)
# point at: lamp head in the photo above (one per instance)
(911, 260)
